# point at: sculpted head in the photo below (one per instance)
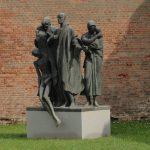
(61, 18)
(91, 25)
(46, 22)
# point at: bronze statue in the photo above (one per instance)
(93, 47)
(45, 66)
(68, 61)
(58, 64)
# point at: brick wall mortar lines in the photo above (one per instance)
(126, 66)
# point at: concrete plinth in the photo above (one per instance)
(77, 122)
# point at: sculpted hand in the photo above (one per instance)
(56, 36)
(85, 49)
(98, 35)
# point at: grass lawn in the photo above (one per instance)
(125, 136)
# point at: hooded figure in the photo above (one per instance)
(93, 62)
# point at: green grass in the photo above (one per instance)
(125, 136)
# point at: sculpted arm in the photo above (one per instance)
(88, 41)
(37, 69)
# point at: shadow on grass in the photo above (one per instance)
(12, 136)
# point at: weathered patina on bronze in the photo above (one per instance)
(68, 61)
(45, 67)
(93, 47)
(59, 68)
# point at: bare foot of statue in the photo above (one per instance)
(88, 104)
(67, 104)
(95, 103)
(64, 105)
(72, 104)
(58, 122)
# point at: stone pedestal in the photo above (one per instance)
(77, 122)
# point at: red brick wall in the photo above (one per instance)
(126, 68)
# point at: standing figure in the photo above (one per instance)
(92, 40)
(68, 62)
(42, 66)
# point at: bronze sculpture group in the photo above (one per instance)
(58, 64)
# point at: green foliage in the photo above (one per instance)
(125, 136)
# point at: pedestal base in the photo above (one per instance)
(77, 122)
